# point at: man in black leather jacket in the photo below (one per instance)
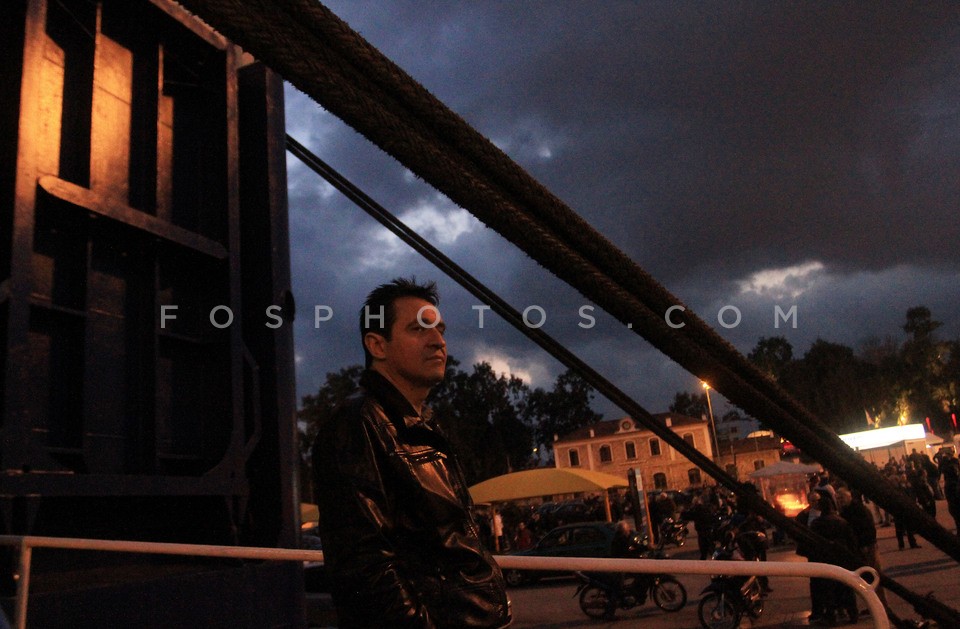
(401, 547)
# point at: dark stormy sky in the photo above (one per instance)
(746, 154)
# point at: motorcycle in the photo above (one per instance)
(601, 594)
(729, 598)
(673, 532)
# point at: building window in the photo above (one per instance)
(654, 447)
(631, 449)
(659, 480)
(693, 475)
(758, 465)
(732, 470)
(574, 458)
(605, 455)
(689, 439)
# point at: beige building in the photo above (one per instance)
(742, 456)
(615, 446)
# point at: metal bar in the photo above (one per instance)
(867, 591)
(165, 548)
(23, 584)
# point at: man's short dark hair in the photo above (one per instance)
(382, 298)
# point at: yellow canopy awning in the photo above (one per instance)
(309, 513)
(548, 481)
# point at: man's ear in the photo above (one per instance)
(375, 344)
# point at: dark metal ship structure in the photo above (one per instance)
(142, 186)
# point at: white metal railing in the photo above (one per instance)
(27, 543)
(867, 591)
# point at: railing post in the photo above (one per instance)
(23, 584)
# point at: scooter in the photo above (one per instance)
(728, 599)
(601, 594)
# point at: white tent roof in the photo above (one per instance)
(784, 468)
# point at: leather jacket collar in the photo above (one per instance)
(399, 410)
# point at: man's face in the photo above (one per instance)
(416, 353)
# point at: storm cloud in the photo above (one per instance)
(753, 155)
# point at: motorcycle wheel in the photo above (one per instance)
(594, 601)
(669, 594)
(716, 612)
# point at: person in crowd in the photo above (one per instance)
(402, 547)
(825, 484)
(855, 513)
(524, 539)
(622, 546)
(616, 508)
(950, 471)
(933, 475)
(923, 490)
(704, 516)
(806, 518)
(752, 537)
(661, 508)
(833, 597)
(901, 528)
(498, 531)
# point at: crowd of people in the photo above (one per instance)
(841, 515)
(835, 511)
(920, 477)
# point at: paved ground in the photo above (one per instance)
(550, 605)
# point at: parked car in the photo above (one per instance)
(582, 539)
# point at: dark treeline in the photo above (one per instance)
(498, 424)
(879, 384)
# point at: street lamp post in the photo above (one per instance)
(713, 424)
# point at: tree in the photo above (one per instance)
(480, 413)
(828, 382)
(690, 404)
(919, 323)
(316, 409)
(562, 410)
(490, 420)
(923, 382)
(772, 355)
(881, 362)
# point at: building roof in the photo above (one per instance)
(626, 425)
(755, 444)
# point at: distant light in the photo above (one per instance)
(880, 437)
